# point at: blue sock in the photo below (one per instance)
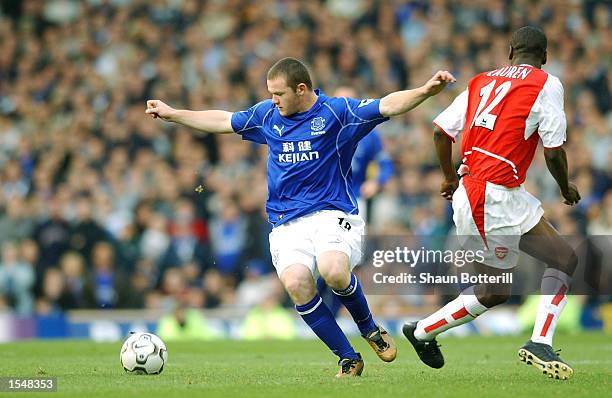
(355, 302)
(331, 300)
(316, 315)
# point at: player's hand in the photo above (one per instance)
(571, 196)
(438, 82)
(157, 108)
(369, 188)
(448, 188)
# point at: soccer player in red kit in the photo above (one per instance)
(502, 116)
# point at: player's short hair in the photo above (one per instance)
(293, 71)
(529, 40)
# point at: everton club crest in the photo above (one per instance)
(317, 124)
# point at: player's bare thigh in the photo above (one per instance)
(333, 265)
(546, 244)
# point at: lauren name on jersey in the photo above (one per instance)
(512, 72)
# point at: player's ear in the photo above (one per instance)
(300, 89)
(511, 53)
(544, 57)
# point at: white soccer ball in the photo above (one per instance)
(143, 353)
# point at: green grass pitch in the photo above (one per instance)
(475, 367)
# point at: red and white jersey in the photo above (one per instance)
(499, 115)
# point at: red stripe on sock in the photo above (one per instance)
(559, 296)
(436, 325)
(460, 314)
(547, 323)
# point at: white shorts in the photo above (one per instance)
(300, 241)
(500, 214)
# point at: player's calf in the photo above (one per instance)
(491, 294)
(489, 298)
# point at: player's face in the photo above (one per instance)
(283, 96)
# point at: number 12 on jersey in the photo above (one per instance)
(484, 117)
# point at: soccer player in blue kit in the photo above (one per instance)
(311, 139)
(369, 151)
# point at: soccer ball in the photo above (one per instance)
(143, 353)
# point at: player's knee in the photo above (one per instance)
(334, 269)
(294, 286)
(300, 287)
(564, 259)
(572, 263)
(337, 277)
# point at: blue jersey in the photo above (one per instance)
(370, 149)
(309, 153)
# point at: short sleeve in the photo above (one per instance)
(249, 123)
(452, 120)
(362, 116)
(552, 124)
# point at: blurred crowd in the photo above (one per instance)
(102, 207)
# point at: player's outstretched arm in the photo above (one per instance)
(207, 121)
(444, 150)
(556, 161)
(402, 101)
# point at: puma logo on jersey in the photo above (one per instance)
(279, 129)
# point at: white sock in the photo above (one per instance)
(463, 309)
(553, 298)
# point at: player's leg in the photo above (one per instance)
(293, 256)
(544, 243)
(335, 270)
(338, 248)
(299, 284)
(332, 301)
(471, 303)
(469, 215)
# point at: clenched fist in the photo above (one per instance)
(438, 82)
(157, 108)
